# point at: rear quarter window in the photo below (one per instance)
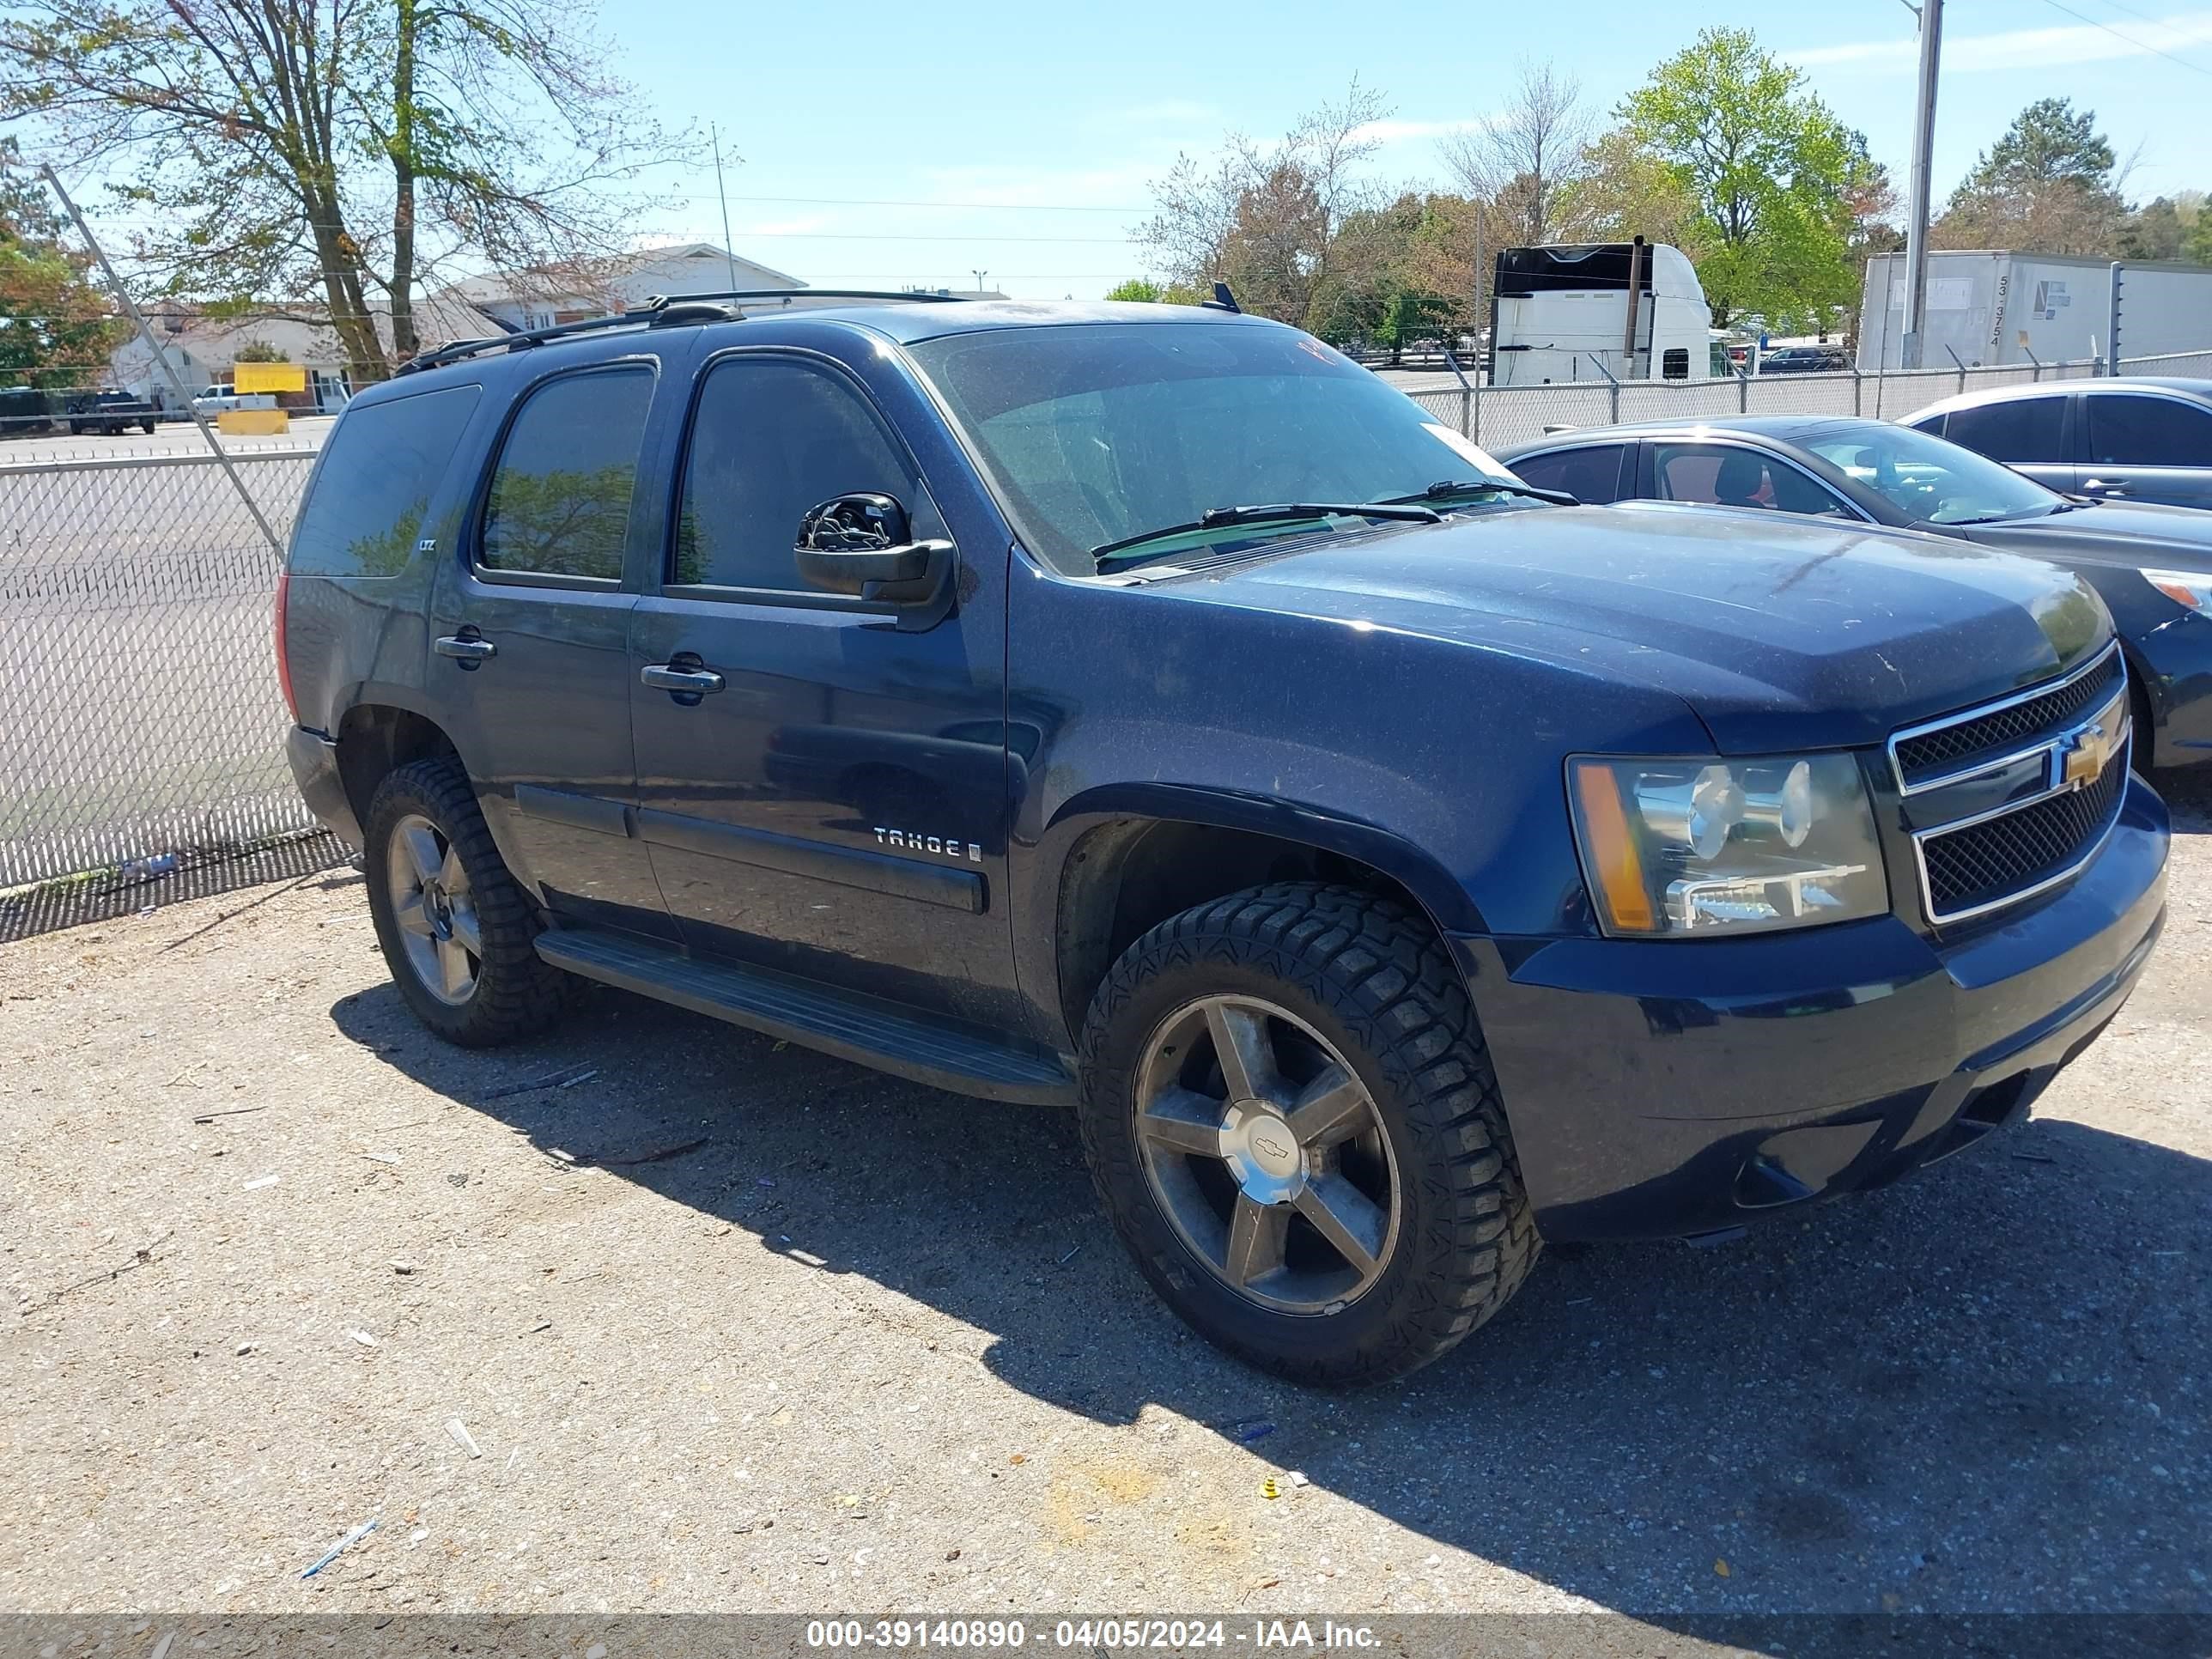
(373, 491)
(2024, 429)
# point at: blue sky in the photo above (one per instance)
(1048, 123)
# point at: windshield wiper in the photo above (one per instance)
(1451, 488)
(1222, 518)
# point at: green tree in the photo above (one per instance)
(55, 328)
(1403, 273)
(1622, 191)
(1768, 170)
(2198, 248)
(1138, 288)
(2154, 231)
(1266, 217)
(260, 352)
(2050, 185)
(345, 152)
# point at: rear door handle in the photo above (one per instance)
(672, 677)
(466, 648)
(2098, 486)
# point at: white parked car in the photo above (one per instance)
(215, 399)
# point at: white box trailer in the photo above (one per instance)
(1559, 315)
(2006, 307)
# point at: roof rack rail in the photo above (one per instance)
(662, 310)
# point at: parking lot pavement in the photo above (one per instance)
(168, 438)
(718, 1323)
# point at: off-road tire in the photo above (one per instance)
(517, 993)
(1373, 979)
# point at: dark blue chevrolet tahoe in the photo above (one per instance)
(1145, 708)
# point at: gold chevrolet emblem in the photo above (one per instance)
(2087, 750)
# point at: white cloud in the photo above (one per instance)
(2017, 49)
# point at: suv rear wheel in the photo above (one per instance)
(1292, 1124)
(458, 932)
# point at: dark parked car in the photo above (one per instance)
(25, 409)
(1806, 359)
(110, 412)
(2151, 565)
(1392, 869)
(2138, 439)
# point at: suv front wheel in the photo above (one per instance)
(1291, 1122)
(458, 932)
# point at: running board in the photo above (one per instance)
(877, 1034)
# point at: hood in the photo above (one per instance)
(1781, 633)
(2133, 534)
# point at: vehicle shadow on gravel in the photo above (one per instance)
(2188, 796)
(1988, 1388)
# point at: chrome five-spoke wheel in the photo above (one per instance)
(435, 912)
(1266, 1154)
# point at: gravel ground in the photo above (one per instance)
(729, 1325)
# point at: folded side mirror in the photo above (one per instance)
(862, 545)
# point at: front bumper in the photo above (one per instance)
(1661, 1089)
(314, 760)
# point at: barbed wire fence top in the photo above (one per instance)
(139, 710)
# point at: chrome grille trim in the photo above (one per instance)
(2119, 705)
(2101, 664)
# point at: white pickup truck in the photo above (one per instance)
(216, 399)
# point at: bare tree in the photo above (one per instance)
(1266, 217)
(1527, 156)
(350, 150)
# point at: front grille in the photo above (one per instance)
(1955, 748)
(2003, 858)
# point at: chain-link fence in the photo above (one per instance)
(139, 714)
(1499, 415)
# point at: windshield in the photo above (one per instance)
(1936, 481)
(1097, 433)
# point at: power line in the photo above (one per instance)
(2140, 45)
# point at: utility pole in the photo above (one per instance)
(1474, 399)
(980, 275)
(1930, 13)
(729, 257)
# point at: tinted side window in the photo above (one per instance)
(1724, 476)
(384, 463)
(2019, 429)
(2126, 431)
(1591, 475)
(771, 439)
(560, 495)
(1674, 363)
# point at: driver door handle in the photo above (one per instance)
(467, 648)
(673, 677)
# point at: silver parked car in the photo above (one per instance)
(2127, 440)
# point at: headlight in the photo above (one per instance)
(1690, 848)
(2189, 587)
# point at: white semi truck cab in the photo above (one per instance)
(1561, 314)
